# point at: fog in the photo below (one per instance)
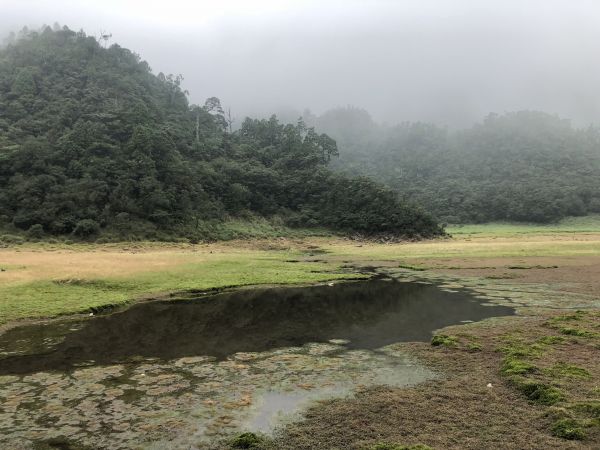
(447, 61)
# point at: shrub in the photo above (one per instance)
(568, 370)
(400, 447)
(576, 332)
(474, 347)
(514, 366)
(247, 440)
(550, 340)
(35, 231)
(11, 239)
(86, 228)
(591, 408)
(445, 340)
(568, 429)
(540, 392)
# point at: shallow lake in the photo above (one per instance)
(188, 371)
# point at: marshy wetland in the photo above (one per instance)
(190, 371)
(340, 364)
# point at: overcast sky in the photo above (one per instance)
(447, 61)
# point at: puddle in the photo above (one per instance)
(367, 314)
(185, 374)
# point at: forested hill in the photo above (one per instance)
(522, 166)
(91, 141)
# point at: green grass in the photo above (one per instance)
(538, 392)
(590, 408)
(418, 268)
(46, 298)
(569, 331)
(553, 385)
(570, 429)
(585, 224)
(248, 440)
(400, 447)
(565, 370)
(515, 366)
(474, 347)
(485, 246)
(444, 340)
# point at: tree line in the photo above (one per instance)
(526, 166)
(91, 142)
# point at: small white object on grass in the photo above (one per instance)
(489, 385)
(329, 284)
(91, 314)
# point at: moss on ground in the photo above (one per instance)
(537, 391)
(571, 429)
(462, 341)
(551, 340)
(525, 364)
(444, 340)
(400, 447)
(514, 366)
(249, 440)
(590, 409)
(566, 326)
(570, 331)
(474, 347)
(576, 316)
(565, 370)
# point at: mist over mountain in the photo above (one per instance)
(446, 62)
(527, 166)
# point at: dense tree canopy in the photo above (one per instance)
(91, 140)
(522, 166)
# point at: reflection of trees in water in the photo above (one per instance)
(369, 314)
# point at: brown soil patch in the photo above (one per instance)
(578, 274)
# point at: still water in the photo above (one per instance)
(367, 314)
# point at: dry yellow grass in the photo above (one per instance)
(31, 266)
(35, 263)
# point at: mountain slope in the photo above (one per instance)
(523, 166)
(91, 142)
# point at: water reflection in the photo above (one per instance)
(368, 314)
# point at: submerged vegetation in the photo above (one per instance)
(91, 142)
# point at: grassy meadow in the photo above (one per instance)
(47, 279)
(587, 224)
